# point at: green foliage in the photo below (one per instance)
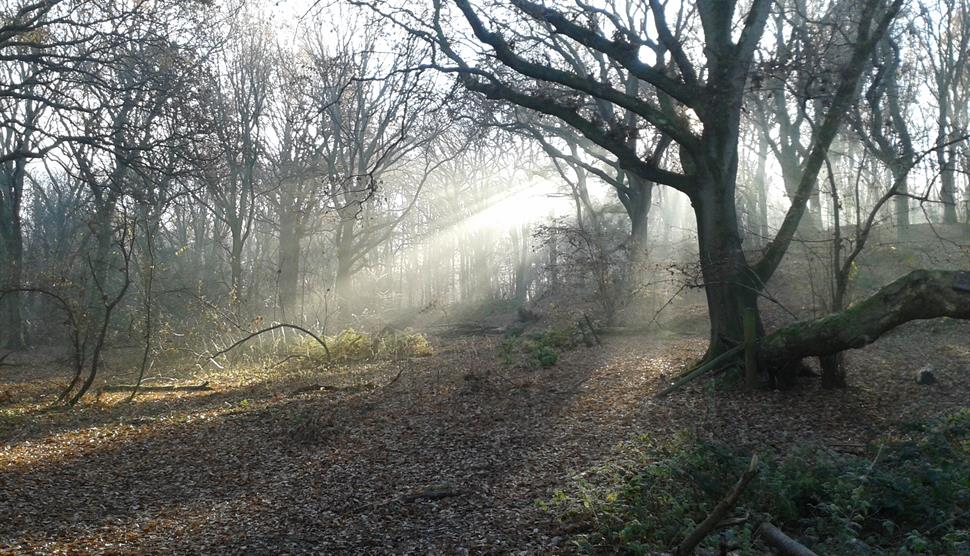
(537, 349)
(907, 497)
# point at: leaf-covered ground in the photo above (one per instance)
(445, 454)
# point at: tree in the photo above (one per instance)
(237, 98)
(943, 31)
(18, 142)
(707, 90)
(375, 122)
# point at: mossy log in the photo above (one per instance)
(921, 294)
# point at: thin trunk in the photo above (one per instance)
(947, 158)
(235, 264)
(345, 253)
(901, 203)
(761, 185)
(833, 369)
(289, 265)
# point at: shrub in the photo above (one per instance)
(407, 343)
(353, 345)
(537, 349)
(907, 497)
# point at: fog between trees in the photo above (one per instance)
(177, 175)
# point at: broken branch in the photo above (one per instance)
(717, 515)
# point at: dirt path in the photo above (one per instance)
(449, 459)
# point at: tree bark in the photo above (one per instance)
(11, 253)
(639, 212)
(948, 184)
(727, 276)
(345, 253)
(235, 263)
(12, 250)
(785, 545)
(901, 201)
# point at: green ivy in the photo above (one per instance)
(537, 349)
(909, 496)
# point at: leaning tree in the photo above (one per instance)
(694, 65)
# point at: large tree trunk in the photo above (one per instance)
(921, 294)
(12, 250)
(639, 211)
(11, 254)
(728, 281)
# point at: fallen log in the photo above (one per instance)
(204, 387)
(785, 545)
(716, 516)
(921, 294)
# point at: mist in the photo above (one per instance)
(408, 276)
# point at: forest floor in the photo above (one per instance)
(444, 454)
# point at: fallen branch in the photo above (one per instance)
(204, 387)
(241, 341)
(717, 515)
(921, 294)
(433, 492)
(702, 370)
(785, 545)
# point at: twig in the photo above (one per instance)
(396, 377)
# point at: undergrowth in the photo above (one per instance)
(909, 496)
(536, 349)
(355, 345)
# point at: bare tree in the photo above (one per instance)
(706, 87)
(238, 97)
(376, 124)
(943, 32)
